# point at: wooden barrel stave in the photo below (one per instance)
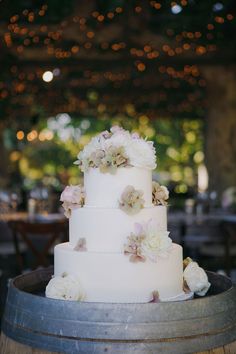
(66, 326)
(9, 346)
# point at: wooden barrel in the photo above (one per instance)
(192, 326)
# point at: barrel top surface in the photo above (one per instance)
(31, 317)
(32, 285)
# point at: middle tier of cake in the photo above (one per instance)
(107, 229)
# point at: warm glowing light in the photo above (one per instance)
(32, 135)
(138, 9)
(147, 48)
(47, 76)
(20, 135)
(95, 14)
(210, 26)
(141, 66)
(119, 10)
(100, 18)
(110, 15)
(219, 19)
(200, 50)
(46, 135)
(186, 46)
(90, 34)
(75, 49)
(157, 5)
(15, 156)
(230, 17)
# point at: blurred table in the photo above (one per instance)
(206, 236)
(24, 216)
(12, 243)
(189, 219)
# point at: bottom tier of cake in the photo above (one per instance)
(111, 277)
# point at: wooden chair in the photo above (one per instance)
(229, 232)
(222, 250)
(47, 233)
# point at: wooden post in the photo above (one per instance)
(220, 142)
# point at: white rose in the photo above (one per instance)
(156, 242)
(118, 139)
(117, 129)
(196, 279)
(65, 287)
(141, 153)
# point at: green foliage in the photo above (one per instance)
(179, 145)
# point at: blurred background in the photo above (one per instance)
(70, 69)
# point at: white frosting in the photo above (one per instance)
(111, 277)
(106, 229)
(105, 189)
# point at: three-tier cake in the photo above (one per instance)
(119, 249)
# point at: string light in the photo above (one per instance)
(20, 135)
(47, 76)
(176, 9)
(32, 135)
(19, 38)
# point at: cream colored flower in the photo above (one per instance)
(114, 157)
(95, 158)
(65, 287)
(196, 278)
(133, 248)
(73, 197)
(160, 194)
(131, 200)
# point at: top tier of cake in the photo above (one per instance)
(113, 160)
(105, 189)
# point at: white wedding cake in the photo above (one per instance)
(119, 249)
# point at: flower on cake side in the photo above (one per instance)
(72, 198)
(116, 148)
(65, 287)
(146, 242)
(131, 201)
(160, 194)
(195, 278)
(81, 245)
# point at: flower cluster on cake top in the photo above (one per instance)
(146, 242)
(117, 148)
(72, 197)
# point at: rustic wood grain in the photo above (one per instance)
(9, 346)
(230, 348)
